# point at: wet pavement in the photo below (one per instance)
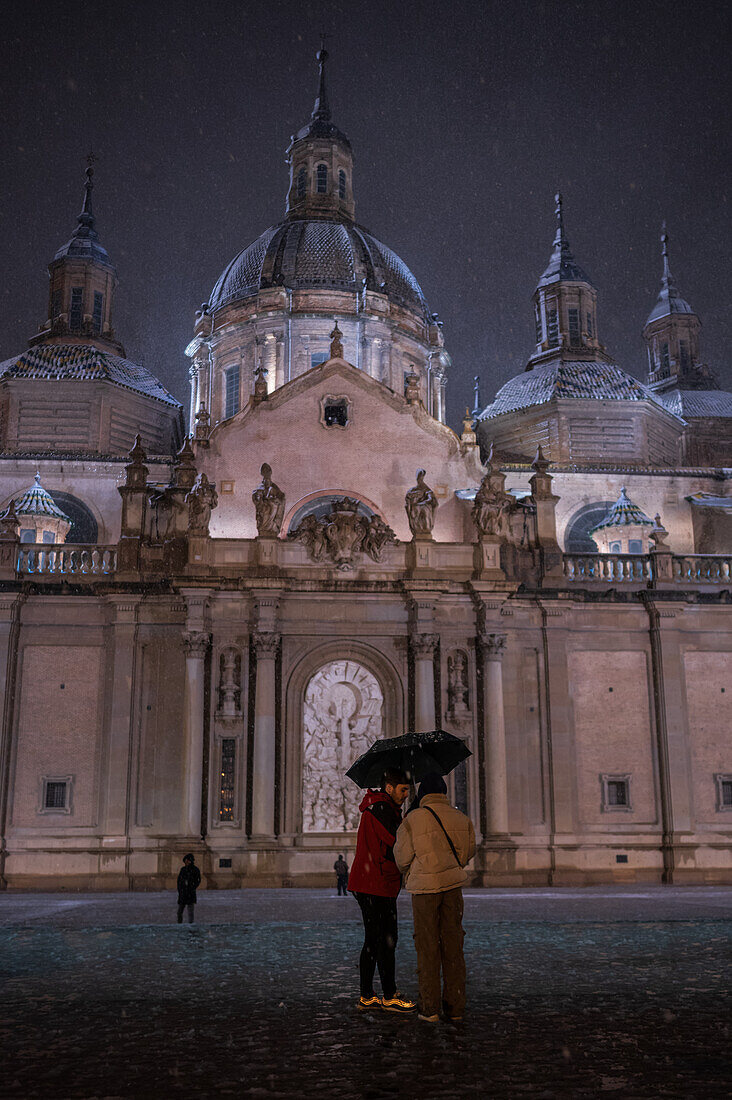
(572, 993)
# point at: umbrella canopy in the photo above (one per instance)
(415, 753)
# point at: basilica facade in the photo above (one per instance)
(202, 625)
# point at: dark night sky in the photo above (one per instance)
(464, 119)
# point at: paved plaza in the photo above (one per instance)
(572, 993)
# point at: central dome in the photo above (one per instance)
(317, 254)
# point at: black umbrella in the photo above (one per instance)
(414, 753)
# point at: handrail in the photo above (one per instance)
(645, 569)
(53, 560)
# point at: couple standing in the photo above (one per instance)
(430, 847)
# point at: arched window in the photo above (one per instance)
(577, 538)
(83, 524)
(301, 183)
(321, 506)
(341, 184)
(322, 178)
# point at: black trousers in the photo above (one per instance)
(379, 946)
(185, 905)
(342, 885)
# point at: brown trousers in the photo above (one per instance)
(438, 938)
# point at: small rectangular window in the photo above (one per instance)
(55, 794)
(75, 313)
(97, 314)
(574, 326)
(684, 353)
(321, 178)
(635, 546)
(231, 396)
(590, 333)
(539, 333)
(341, 184)
(228, 779)
(665, 359)
(615, 792)
(319, 357)
(724, 792)
(55, 304)
(552, 325)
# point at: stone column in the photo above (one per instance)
(269, 360)
(193, 375)
(196, 644)
(493, 647)
(266, 644)
(280, 368)
(423, 647)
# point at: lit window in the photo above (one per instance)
(552, 324)
(615, 792)
(231, 398)
(335, 412)
(75, 315)
(574, 326)
(319, 357)
(228, 779)
(301, 183)
(97, 314)
(341, 184)
(322, 178)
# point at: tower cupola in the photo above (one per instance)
(81, 287)
(671, 334)
(565, 303)
(321, 164)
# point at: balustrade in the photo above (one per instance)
(640, 569)
(49, 559)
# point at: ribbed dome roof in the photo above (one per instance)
(624, 513)
(314, 254)
(37, 501)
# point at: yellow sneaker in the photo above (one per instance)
(365, 1003)
(398, 1003)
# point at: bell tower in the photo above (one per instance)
(82, 281)
(321, 164)
(671, 334)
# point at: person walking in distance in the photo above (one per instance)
(189, 879)
(341, 869)
(375, 882)
(434, 843)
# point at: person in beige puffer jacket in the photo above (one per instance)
(433, 844)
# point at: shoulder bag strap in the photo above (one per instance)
(447, 835)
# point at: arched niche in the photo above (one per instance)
(377, 668)
(577, 538)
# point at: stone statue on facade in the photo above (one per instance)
(9, 523)
(201, 501)
(421, 505)
(492, 508)
(457, 683)
(336, 347)
(269, 505)
(164, 506)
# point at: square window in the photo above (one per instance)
(335, 412)
(724, 792)
(56, 794)
(635, 546)
(615, 792)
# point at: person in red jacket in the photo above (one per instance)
(375, 882)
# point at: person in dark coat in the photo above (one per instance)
(341, 869)
(189, 879)
(375, 882)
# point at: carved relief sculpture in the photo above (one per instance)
(342, 716)
(196, 643)
(269, 505)
(230, 683)
(342, 534)
(421, 505)
(457, 684)
(201, 501)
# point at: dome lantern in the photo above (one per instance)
(321, 163)
(671, 334)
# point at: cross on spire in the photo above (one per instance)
(321, 108)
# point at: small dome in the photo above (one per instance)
(84, 362)
(36, 501)
(314, 254)
(624, 514)
(669, 301)
(567, 381)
